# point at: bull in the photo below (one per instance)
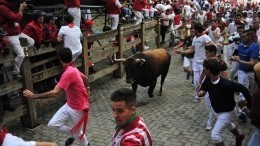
(144, 68)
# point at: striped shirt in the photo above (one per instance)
(134, 134)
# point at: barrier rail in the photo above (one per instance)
(42, 66)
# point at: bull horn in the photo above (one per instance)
(120, 60)
(141, 61)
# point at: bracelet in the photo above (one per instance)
(243, 108)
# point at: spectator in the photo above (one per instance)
(35, 28)
(77, 106)
(123, 103)
(74, 10)
(113, 9)
(164, 24)
(13, 29)
(50, 30)
(71, 34)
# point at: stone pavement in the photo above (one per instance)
(173, 119)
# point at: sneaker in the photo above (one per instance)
(208, 128)
(146, 47)
(88, 144)
(242, 117)
(196, 100)
(17, 77)
(69, 141)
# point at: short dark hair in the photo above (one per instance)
(211, 48)
(198, 27)
(124, 94)
(65, 55)
(213, 65)
(69, 19)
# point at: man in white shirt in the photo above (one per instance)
(214, 32)
(71, 34)
(198, 45)
(187, 11)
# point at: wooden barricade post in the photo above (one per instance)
(158, 30)
(30, 119)
(119, 72)
(142, 35)
(85, 54)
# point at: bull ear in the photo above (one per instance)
(140, 61)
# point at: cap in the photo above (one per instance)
(50, 16)
(89, 22)
(38, 13)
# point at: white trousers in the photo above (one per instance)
(149, 12)
(60, 119)
(197, 70)
(76, 14)
(88, 15)
(212, 117)
(114, 18)
(187, 62)
(138, 16)
(14, 43)
(224, 121)
(226, 55)
(11, 140)
(248, 80)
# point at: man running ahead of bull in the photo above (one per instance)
(77, 106)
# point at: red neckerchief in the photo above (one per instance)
(66, 66)
(2, 135)
(213, 28)
(71, 25)
(200, 34)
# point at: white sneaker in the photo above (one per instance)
(146, 47)
(208, 127)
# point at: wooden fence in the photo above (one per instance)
(42, 67)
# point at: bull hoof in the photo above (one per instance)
(151, 95)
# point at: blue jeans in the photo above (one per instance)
(255, 139)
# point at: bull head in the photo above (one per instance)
(140, 61)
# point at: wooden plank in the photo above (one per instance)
(92, 38)
(42, 50)
(98, 55)
(129, 29)
(11, 116)
(51, 72)
(150, 24)
(103, 72)
(44, 61)
(128, 45)
(10, 87)
(101, 47)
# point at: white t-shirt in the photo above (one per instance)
(117, 3)
(165, 23)
(232, 28)
(161, 7)
(187, 10)
(212, 36)
(199, 44)
(11, 140)
(201, 18)
(71, 37)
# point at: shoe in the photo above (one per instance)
(196, 100)
(17, 77)
(188, 75)
(123, 18)
(208, 128)
(69, 141)
(146, 47)
(88, 144)
(242, 117)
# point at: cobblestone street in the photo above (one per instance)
(173, 119)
